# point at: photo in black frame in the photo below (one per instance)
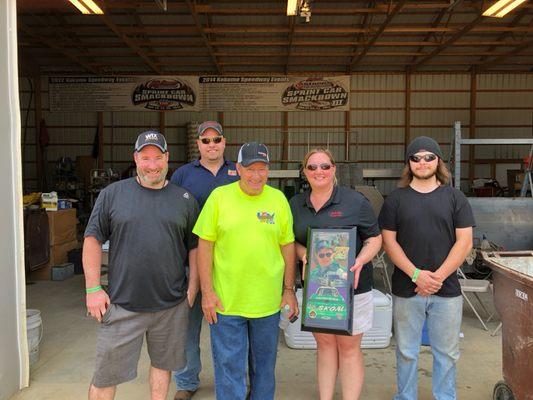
(328, 282)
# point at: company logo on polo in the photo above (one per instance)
(265, 217)
(150, 136)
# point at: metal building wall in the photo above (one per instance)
(376, 122)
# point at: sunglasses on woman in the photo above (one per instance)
(215, 140)
(324, 255)
(425, 157)
(314, 167)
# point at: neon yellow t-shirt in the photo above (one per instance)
(247, 232)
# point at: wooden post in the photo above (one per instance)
(38, 116)
(100, 140)
(285, 142)
(347, 136)
(472, 128)
(162, 122)
(407, 116)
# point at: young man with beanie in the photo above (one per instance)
(200, 177)
(427, 233)
(149, 227)
(247, 266)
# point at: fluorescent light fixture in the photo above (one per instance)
(87, 6)
(502, 8)
(80, 6)
(292, 7)
(93, 6)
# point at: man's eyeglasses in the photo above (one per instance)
(314, 167)
(215, 140)
(426, 158)
(324, 255)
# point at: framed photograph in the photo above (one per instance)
(328, 282)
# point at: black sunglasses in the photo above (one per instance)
(215, 140)
(426, 158)
(323, 255)
(323, 167)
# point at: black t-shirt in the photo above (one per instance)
(345, 208)
(150, 234)
(425, 226)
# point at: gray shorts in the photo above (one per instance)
(120, 339)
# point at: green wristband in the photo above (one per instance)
(93, 289)
(415, 275)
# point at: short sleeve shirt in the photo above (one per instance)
(345, 208)
(425, 226)
(198, 180)
(248, 232)
(150, 234)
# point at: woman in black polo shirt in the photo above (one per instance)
(327, 205)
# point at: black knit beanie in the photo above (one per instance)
(423, 143)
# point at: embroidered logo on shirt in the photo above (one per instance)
(335, 214)
(232, 172)
(186, 195)
(265, 217)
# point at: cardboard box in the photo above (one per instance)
(62, 224)
(58, 255)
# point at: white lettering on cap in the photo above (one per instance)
(150, 136)
(263, 154)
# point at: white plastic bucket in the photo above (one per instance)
(34, 328)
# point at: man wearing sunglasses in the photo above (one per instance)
(427, 233)
(200, 177)
(326, 267)
(247, 268)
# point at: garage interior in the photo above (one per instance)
(435, 68)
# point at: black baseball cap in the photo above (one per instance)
(209, 125)
(252, 152)
(152, 138)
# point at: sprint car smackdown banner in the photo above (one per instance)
(204, 93)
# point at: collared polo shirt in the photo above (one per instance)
(198, 180)
(345, 208)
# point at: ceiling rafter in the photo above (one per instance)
(66, 52)
(292, 23)
(500, 59)
(203, 34)
(516, 20)
(467, 28)
(73, 37)
(435, 23)
(367, 22)
(390, 16)
(129, 42)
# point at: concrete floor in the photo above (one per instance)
(66, 359)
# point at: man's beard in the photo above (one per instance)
(426, 175)
(153, 181)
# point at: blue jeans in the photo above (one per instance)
(237, 342)
(189, 377)
(444, 324)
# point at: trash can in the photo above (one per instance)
(513, 298)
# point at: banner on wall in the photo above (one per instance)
(123, 93)
(275, 93)
(204, 93)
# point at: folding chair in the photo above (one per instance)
(474, 286)
(379, 262)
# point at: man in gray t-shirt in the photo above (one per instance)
(148, 223)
